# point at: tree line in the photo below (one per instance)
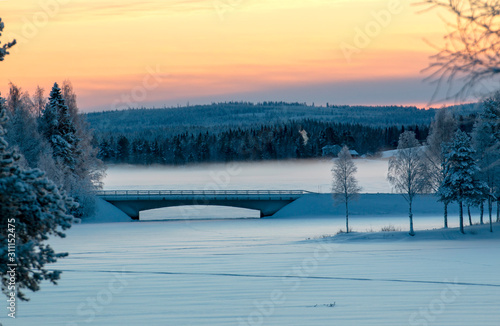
(48, 172)
(246, 114)
(284, 140)
(51, 135)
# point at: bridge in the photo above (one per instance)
(268, 202)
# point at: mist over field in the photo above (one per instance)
(311, 175)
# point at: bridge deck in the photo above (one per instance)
(135, 193)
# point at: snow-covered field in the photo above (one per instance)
(284, 270)
(267, 272)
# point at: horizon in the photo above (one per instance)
(168, 54)
(256, 104)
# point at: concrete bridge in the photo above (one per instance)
(267, 202)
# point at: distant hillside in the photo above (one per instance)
(232, 114)
(247, 132)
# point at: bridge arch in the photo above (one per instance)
(197, 212)
(268, 202)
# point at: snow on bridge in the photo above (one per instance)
(267, 202)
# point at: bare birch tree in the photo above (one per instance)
(345, 186)
(407, 171)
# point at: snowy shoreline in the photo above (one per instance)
(473, 232)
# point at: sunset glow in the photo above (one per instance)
(202, 51)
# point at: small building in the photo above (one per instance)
(334, 150)
(331, 150)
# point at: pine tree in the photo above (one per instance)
(407, 171)
(486, 140)
(460, 183)
(32, 208)
(345, 186)
(58, 128)
(123, 148)
(4, 48)
(441, 132)
(63, 137)
(77, 167)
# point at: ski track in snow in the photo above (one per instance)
(280, 277)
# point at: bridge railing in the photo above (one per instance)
(198, 192)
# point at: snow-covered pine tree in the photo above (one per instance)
(49, 120)
(445, 194)
(77, 167)
(486, 140)
(461, 183)
(89, 170)
(32, 208)
(4, 48)
(58, 128)
(441, 131)
(408, 172)
(345, 186)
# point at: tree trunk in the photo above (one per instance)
(346, 217)
(468, 212)
(461, 210)
(412, 233)
(481, 212)
(498, 209)
(445, 215)
(490, 208)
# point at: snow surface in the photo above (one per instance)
(283, 270)
(106, 213)
(267, 272)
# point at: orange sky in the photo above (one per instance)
(133, 53)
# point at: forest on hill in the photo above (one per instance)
(241, 131)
